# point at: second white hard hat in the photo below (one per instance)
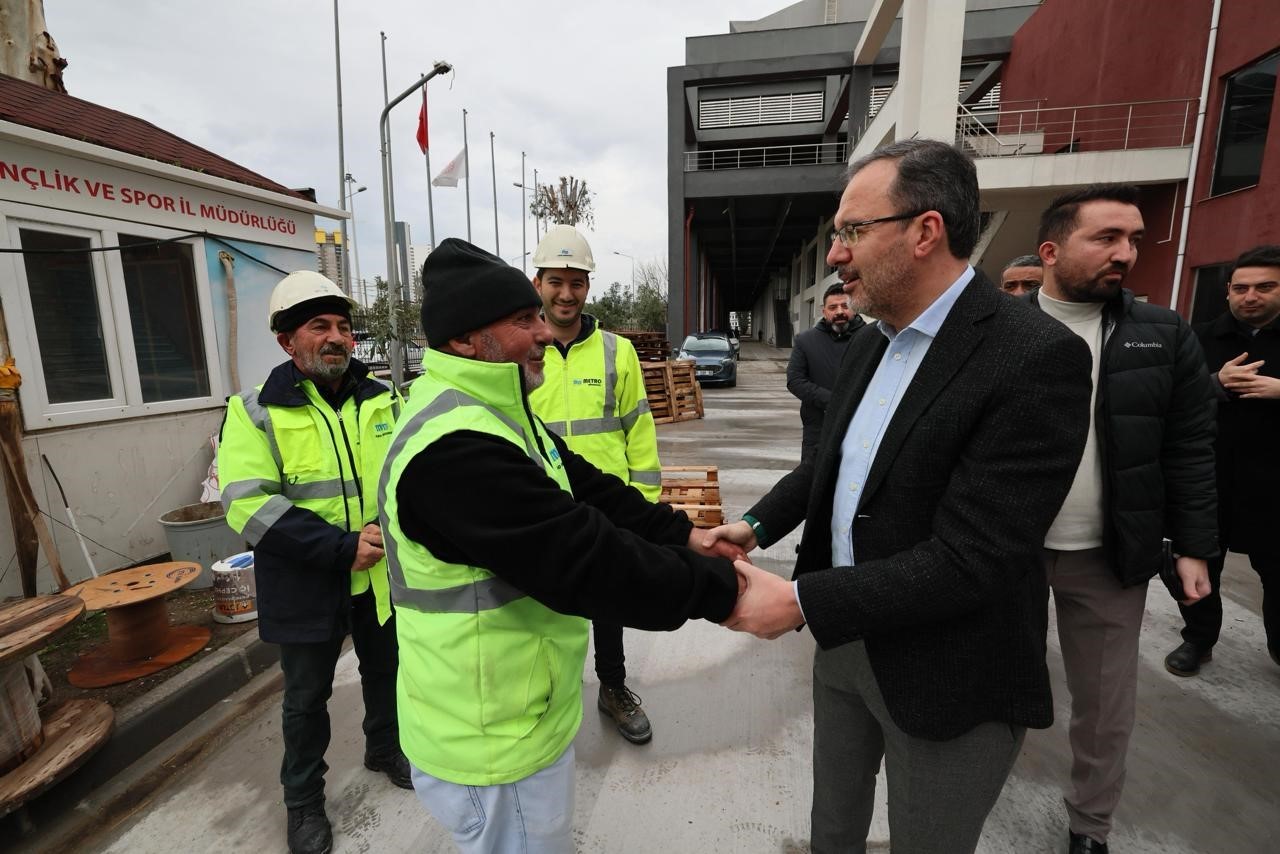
(564, 248)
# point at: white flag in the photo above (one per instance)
(453, 171)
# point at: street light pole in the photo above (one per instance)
(355, 246)
(633, 271)
(388, 223)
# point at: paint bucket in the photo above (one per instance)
(235, 592)
(200, 533)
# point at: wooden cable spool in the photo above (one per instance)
(25, 626)
(140, 640)
(70, 733)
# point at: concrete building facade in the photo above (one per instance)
(1181, 104)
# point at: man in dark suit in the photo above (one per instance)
(952, 436)
(1242, 348)
(815, 362)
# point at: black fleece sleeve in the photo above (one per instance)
(477, 499)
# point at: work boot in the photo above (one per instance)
(309, 830)
(1078, 843)
(1186, 659)
(619, 703)
(394, 764)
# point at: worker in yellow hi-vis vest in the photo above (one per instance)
(594, 399)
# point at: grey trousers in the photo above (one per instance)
(940, 792)
(1098, 626)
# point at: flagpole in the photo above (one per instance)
(342, 163)
(466, 168)
(426, 152)
(493, 168)
(524, 221)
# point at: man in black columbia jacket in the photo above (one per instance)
(815, 362)
(1147, 474)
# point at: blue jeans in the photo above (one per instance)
(530, 816)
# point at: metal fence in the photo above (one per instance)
(804, 154)
(1041, 129)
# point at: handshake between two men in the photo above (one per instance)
(767, 605)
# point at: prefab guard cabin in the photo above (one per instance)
(128, 352)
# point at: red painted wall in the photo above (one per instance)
(1223, 227)
(1081, 52)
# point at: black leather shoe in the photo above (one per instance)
(1081, 844)
(1186, 659)
(619, 703)
(394, 765)
(309, 830)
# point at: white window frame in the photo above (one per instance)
(113, 310)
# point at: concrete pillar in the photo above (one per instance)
(929, 69)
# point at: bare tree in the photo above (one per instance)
(568, 204)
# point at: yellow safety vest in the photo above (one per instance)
(489, 688)
(595, 399)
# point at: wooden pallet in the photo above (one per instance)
(694, 490)
(673, 391)
(650, 346)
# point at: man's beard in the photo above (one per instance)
(488, 349)
(839, 326)
(881, 294)
(1077, 287)
(317, 368)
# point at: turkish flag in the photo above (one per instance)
(422, 123)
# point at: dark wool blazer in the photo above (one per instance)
(949, 590)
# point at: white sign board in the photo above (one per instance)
(52, 180)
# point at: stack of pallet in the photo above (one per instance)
(695, 490)
(650, 346)
(673, 391)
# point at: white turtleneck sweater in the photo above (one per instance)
(1079, 522)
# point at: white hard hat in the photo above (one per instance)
(299, 287)
(564, 248)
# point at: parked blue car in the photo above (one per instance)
(716, 362)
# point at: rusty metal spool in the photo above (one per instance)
(140, 640)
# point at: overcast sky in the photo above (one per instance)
(581, 88)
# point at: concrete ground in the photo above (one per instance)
(729, 767)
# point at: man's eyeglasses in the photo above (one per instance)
(1240, 288)
(848, 234)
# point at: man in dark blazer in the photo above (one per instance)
(952, 436)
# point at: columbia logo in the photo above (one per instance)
(1143, 344)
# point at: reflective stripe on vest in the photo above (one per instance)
(261, 419)
(607, 422)
(482, 595)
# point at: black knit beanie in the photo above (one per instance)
(465, 288)
(294, 316)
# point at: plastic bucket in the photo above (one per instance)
(235, 591)
(199, 533)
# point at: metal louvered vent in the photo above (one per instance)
(760, 110)
(989, 101)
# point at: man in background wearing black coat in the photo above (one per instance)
(815, 362)
(1146, 474)
(1242, 349)
(953, 432)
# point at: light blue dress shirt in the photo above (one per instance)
(893, 376)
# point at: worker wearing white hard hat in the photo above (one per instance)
(298, 462)
(594, 397)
